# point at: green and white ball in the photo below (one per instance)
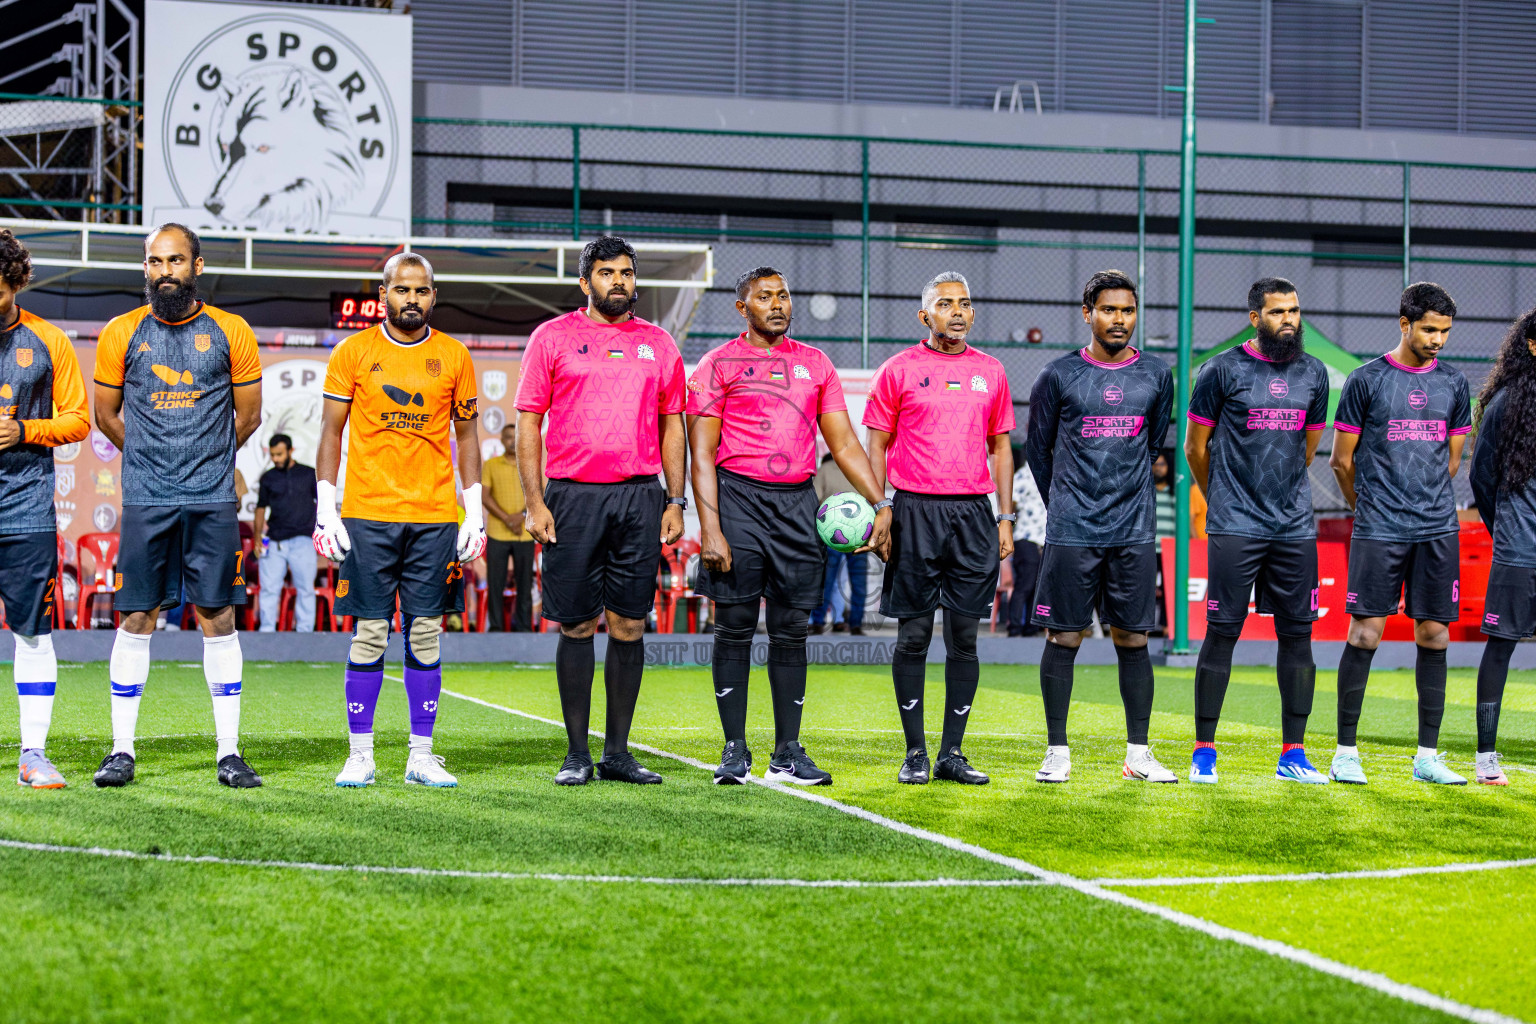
(845, 522)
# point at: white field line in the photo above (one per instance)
(1367, 979)
(1318, 876)
(518, 876)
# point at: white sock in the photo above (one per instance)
(1347, 751)
(37, 676)
(128, 671)
(421, 743)
(222, 667)
(361, 741)
(1135, 750)
(1063, 751)
(1427, 752)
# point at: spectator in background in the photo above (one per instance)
(288, 489)
(829, 481)
(1028, 537)
(506, 510)
(1162, 480)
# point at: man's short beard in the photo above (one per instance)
(1277, 347)
(173, 305)
(768, 330)
(1114, 348)
(615, 303)
(408, 320)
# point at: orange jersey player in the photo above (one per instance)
(178, 389)
(42, 405)
(406, 393)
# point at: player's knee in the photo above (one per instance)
(1434, 635)
(914, 635)
(579, 630)
(1125, 638)
(1070, 639)
(1221, 631)
(960, 636)
(35, 660)
(786, 626)
(423, 641)
(623, 628)
(369, 638)
(735, 624)
(1293, 629)
(1365, 634)
(216, 621)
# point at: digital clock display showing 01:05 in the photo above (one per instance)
(355, 312)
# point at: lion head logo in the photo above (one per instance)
(287, 152)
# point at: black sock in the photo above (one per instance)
(909, 670)
(786, 679)
(1056, 690)
(732, 669)
(1297, 675)
(1136, 691)
(1213, 671)
(622, 669)
(962, 671)
(1492, 673)
(1429, 675)
(574, 665)
(1354, 673)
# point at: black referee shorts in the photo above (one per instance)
(29, 581)
(943, 552)
(1431, 569)
(1283, 572)
(607, 551)
(1120, 582)
(775, 549)
(169, 550)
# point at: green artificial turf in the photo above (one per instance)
(115, 940)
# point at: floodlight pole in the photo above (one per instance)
(1186, 330)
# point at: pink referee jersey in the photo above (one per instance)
(940, 410)
(767, 402)
(603, 385)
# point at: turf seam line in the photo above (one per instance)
(542, 876)
(1461, 867)
(1365, 979)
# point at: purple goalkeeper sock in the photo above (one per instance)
(423, 687)
(363, 683)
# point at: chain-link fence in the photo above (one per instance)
(63, 158)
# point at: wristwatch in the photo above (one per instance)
(884, 503)
(1008, 517)
(678, 501)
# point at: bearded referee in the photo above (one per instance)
(1255, 418)
(1398, 430)
(938, 415)
(612, 387)
(754, 406)
(403, 389)
(1096, 421)
(178, 389)
(42, 405)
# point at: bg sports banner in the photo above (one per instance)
(271, 119)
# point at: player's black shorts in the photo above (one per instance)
(775, 550)
(607, 550)
(168, 552)
(1510, 611)
(943, 552)
(1284, 572)
(418, 561)
(29, 581)
(1431, 568)
(1120, 582)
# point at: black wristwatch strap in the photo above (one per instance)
(678, 501)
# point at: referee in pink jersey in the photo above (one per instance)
(612, 387)
(754, 406)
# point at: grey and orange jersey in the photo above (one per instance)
(1094, 429)
(1260, 412)
(1406, 417)
(178, 382)
(40, 385)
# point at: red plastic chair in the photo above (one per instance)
(102, 551)
(66, 561)
(325, 598)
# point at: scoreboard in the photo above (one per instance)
(356, 312)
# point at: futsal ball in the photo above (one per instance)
(845, 522)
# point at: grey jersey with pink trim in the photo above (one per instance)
(1094, 429)
(1406, 418)
(1261, 411)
